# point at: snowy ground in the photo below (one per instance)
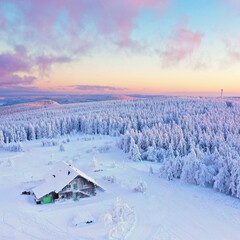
(166, 211)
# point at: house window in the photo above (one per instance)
(85, 183)
(75, 186)
(68, 186)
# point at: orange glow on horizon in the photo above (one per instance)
(140, 75)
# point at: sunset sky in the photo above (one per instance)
(120, 47)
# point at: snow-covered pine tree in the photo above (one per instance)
(134, 153)
(31, 132)
(61, 148)
(1, 138)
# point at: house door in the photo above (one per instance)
(47, 200)
(74, 196)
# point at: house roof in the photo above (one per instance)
(57, 178)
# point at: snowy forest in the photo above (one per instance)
(195, 140)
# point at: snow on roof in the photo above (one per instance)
(57, 178)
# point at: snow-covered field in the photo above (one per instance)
(167, 210)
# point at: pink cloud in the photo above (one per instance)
(231, 5)
(97, 88)
(235, 3)
(118, 17)
(183, 43)
(113, 19)
(232, 49)
(66, 28)
(44, 63)
(234, 55)
(19, 61)
(11, 64)
(14, 80)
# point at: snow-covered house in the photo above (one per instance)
(65, 182)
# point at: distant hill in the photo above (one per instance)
(63, 99)
(123, 97)
(42, 103)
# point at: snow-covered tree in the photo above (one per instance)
(150, 170)
(134, 153)
(141, 186)
(61, 148)
(94, 163)
(31, 132)
(193, 139)
(1, 138)
(151, 154)
(222, 180)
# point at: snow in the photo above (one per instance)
(168, 210)
(82, 218)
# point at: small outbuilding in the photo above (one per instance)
(65, 182)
